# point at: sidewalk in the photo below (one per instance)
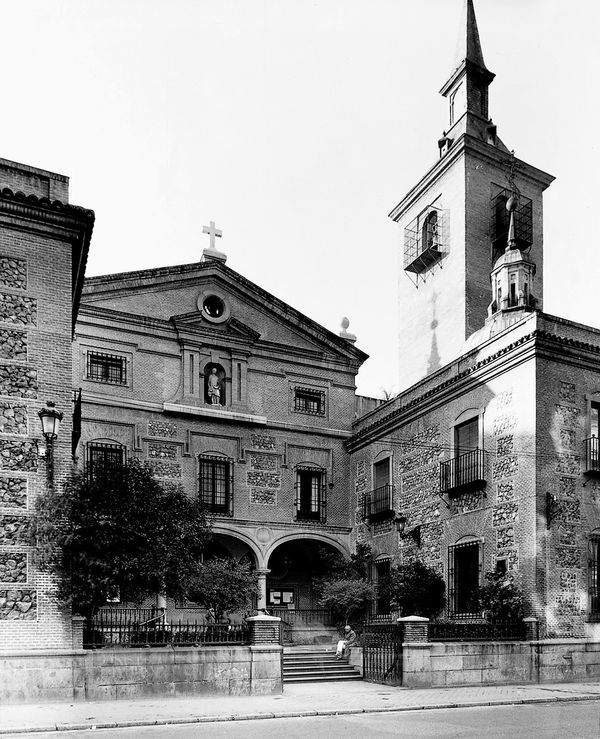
(312, 699)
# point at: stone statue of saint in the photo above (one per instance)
(214, 387)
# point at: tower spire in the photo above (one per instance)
(468, 48)
(467, 88)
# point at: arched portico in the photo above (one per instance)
(241, 541)
(294, 562)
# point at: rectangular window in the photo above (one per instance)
(109, 368)
(215, 485)
(307, 400)
(381, 473)
(378, 503)
(101, 455)
(310, 495)
(464, 577)
(466, 437)
(594, 578)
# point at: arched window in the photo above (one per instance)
(465, 560)
(103, 453)
(215, 483)
(429, 231)
(310, 502)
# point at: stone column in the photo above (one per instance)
(262, 589)
(416, 652)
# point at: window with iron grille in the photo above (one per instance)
(464, 577)
(310, 495)
(466, 470)
(594, 577)
(308, 400)
(215, 484)
(383, 569)
(110, 368)
(101, 455)
(592, 444)
(425, 240)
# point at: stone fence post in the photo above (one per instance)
(416, 628)
(77, 631)
(532, 628)
(264, 629)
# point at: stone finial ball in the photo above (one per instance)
(512, 203)
(345, 323)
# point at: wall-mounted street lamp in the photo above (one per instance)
(414, 533)
(50, 419)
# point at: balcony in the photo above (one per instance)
(379, 503)
(463, 473)
(592, 456)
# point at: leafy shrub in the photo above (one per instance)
(500, 599)
(414, 589)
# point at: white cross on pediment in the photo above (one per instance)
(213, 233)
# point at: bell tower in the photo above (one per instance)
(455, 222)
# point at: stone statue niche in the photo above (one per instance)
(214, 384)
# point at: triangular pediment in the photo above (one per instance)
(174, 296)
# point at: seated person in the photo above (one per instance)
(349, 640)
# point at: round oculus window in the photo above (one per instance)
(213, 306)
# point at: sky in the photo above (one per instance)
(297, 125)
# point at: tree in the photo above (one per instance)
(415, 589)
(333, 566)
(117, 531)
(348, 598)
(223, 585)
(500, 598)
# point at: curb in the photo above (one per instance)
(220, 718)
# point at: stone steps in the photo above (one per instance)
(301, 666)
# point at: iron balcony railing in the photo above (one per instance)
(463, 472)
(592, 456)
(379, 502)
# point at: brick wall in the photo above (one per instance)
(35, 366)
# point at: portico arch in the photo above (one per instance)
(294, 563)
(309, 535)
(219, 529)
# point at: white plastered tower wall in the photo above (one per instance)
(444, 292)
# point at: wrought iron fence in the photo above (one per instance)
(321, 616)
(112, 632)
(382, 653)
(499, 631)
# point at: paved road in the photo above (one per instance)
(563, 720)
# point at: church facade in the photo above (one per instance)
(488, 460)
(233, 396)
